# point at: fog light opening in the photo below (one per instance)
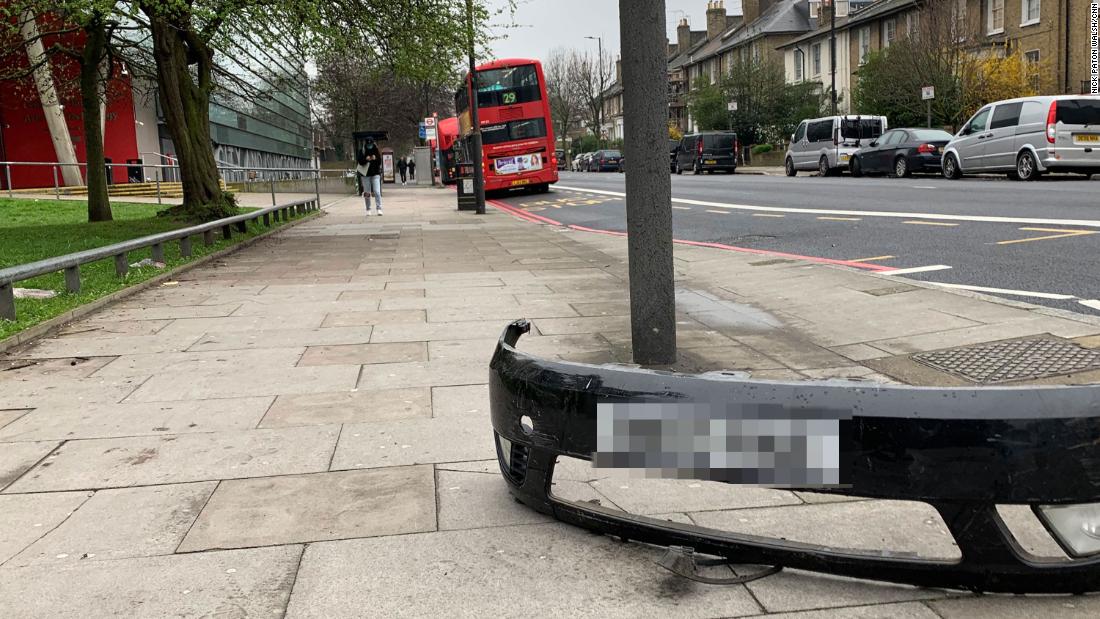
(505, 451)
(527, 425)
(1075, 527)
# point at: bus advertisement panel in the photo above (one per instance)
(516, 129)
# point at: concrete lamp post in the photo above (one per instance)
(648, 185)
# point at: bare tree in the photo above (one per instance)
(566, 106)
(590, 77)
(358, 93)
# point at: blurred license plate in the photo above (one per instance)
(522, 181)
(1087, 138)
(844, 157)
(710, 161)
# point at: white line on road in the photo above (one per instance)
(1087, 223)
(1091, 304)
(1015, 293)
(929, 223)
(928, 269)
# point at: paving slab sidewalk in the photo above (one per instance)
(301, 428)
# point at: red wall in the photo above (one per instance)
(26, 136)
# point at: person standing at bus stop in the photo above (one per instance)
(402, 169)
(412, 169)
(370, 167)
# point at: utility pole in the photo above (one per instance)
(602, 87)
(475, 137)
(648, 184)
(832, 50)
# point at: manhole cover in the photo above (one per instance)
(1013, 360)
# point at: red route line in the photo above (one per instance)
(760, 252)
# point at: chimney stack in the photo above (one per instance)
(824, 13)
(683, 36)
(716, 18)
(619, 70)
(752, 9)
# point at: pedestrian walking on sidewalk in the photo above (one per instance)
(402, 168)
(412, 169)
(370, 166)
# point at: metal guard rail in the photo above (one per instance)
(961, 450)
(71, 263)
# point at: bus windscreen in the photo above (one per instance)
(515, 130)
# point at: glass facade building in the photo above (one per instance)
(259, 114)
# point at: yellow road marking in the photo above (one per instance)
(875, 259)
(766, 215)
(929, 223)
(556, 205)
(840, 218)
(1061, 234)
(719, 212)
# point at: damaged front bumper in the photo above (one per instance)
(962, 451)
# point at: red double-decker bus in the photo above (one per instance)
(448, 137)
(516, 129)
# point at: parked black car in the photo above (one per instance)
(901, 152)
(673, 146)
(605, 161)
(707, 152)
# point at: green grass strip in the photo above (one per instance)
(33, 230)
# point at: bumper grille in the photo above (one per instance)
(515, 466)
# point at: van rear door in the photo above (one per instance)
(1077, 131)
(718, 149)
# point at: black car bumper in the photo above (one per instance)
(925, 163)
(963, 451)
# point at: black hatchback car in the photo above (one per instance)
(707, 152)
(901, 152)
(605, 161)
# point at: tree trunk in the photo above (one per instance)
(186, 106)
(51, 105)
(99, 205)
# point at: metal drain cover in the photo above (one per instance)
(1013, 360)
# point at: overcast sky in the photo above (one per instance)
(539, 26)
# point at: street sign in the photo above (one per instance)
(429, 122)
(732, 106)
(928, 92)
(423, 132)
(430, 133)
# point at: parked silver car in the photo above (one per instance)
(1028, 137)
(827, 144)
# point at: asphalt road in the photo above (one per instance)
(1037, 242)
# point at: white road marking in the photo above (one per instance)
(928, 269)
(1091, 304)
(1015, 293)
(929, 223)
(1085, 223)
(923, 187)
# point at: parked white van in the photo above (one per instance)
(1028, 137)
(826, 144)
